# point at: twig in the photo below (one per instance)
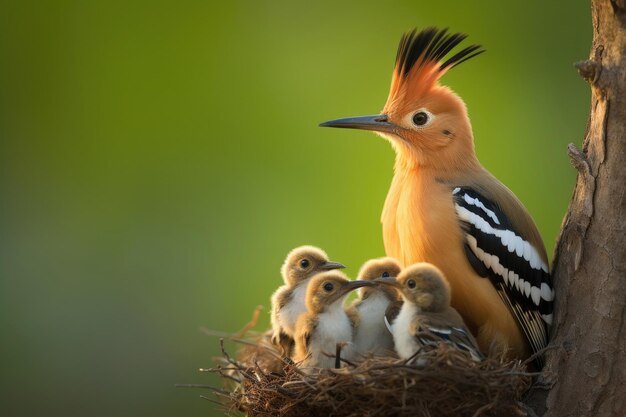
(338, 348)
(212, 400)
(211, 387)
(251, 324)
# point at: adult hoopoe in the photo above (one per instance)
(445, 208)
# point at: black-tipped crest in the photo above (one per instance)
(432, 45)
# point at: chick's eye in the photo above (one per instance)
(304, 263)
(328, 287)
(421, 118)
(411, 283)
(385, 274)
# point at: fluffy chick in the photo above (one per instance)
(426, 318)
(372, 335)
(288, 301)
(326, 323)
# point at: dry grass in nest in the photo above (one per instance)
(258, 382)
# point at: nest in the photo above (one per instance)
(441, 382)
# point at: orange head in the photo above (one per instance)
(426, 122)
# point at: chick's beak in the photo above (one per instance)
(328, 266)
(378, 123)
(388, 281)
(351, 286)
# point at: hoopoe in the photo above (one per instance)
(372, 336)
(288, 301)
(426, 318)
(326, 323)
(445, 208)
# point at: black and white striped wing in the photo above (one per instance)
(513, 265)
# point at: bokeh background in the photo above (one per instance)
(159, 159)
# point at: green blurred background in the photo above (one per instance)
(159, 159)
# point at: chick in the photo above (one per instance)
(288, 303)
(426, 318)
(326, 323)
(372, 335)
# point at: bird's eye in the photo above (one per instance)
(411, 283)
(421, 118)
(328, 286)
(385, 274)
(304, 263)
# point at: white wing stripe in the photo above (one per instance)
(535, 294)
(547, 293)
(476, 202)
(524, 287)
(547, 318)
(523, 249)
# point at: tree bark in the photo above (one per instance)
(585, 373)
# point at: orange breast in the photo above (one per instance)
(420, 225)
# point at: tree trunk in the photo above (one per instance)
(585, 373)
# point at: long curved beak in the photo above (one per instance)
(378, 123)
(329, 266)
